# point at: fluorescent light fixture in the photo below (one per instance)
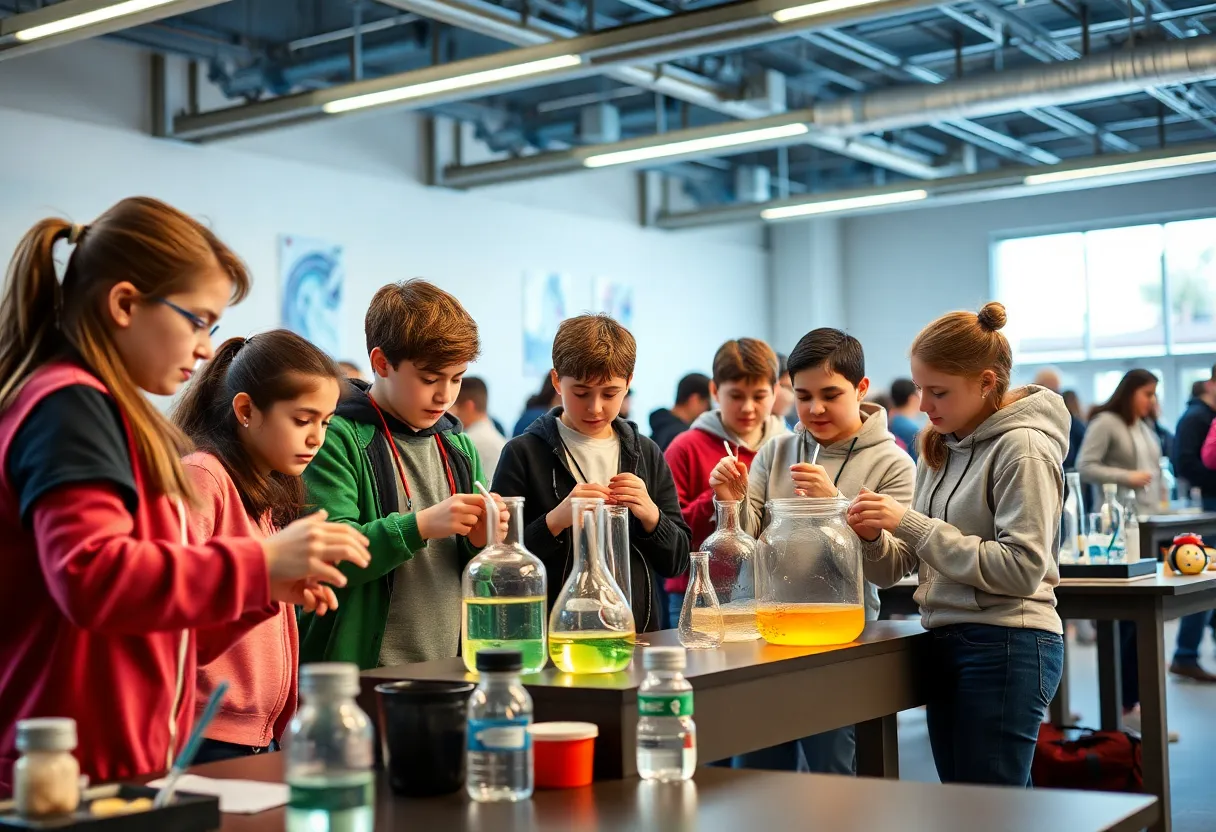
(458, 82)
(820, 8)
(1121, 167)
(832, 206)
(660, 151)
(79, 21)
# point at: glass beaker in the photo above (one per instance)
(504, 590)
(1072, 538)
(701, 625)
(809, 585)
(591, 628)
(732, 568)
(614, 522)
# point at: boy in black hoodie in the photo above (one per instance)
(582, 449)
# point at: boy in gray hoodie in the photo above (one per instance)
(852, 449)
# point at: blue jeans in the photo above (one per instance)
(989, 691)
(832, 752)
(1190, 636)
(675, 602)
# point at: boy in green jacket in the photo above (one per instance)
(396, 466)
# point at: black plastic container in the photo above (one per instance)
(423, 728)
(187, 813)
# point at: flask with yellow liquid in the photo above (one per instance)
(591, 628)
(809, 584)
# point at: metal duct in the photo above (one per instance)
(1106, 75)
(1100, 76)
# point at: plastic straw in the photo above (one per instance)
(491, 512)
(815, 455)
(186, 757)
(729, 452)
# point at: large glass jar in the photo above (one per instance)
(505, 597)
(732, 554)
(809, 584)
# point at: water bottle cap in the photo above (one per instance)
(664, 658)
(55, 733)
(332, 678)
(499, 660)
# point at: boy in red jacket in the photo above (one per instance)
(744, 381)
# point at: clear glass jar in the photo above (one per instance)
(701, 626)
(46, 778)
(809, 585)
(614, 523)
(732, 568)
(591, 628)
(504, 591)
(329, 754)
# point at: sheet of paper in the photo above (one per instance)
(238, 797)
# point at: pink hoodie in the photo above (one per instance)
(261, 667)
(1208, 452)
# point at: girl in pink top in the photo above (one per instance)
(258, 413)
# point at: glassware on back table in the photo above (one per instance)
(1131, 525)
(329, 757)
(732, 568)
(614, 523)
(1072, 537)
(1107, 532)
(701, 625)
(591, 628)
(504, 592)
(1166, 483)
(809, 585)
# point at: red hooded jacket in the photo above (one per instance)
(105, 609)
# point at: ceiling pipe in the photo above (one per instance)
(893, 108)
(12, 46)
(728, 26)
(1006, 183)
(493, 20)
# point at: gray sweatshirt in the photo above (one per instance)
(984, 532)
(869, 459)
(1108, 455)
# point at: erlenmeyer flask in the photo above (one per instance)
(701, 617)
(1072, 537)
(732, 568)
(591, 628)
(504, 591)
(614, 523)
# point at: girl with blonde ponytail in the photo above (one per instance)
(110, 609)
(983, 534)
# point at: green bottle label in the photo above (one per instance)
(665, 704)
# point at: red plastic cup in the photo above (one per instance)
(564, 754)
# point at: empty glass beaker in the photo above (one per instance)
(701, 624)
(732, 568)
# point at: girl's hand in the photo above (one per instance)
(729, 479)
(871, 514)
(308, 549)
(1139, 479)
(812, 480)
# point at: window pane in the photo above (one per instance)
(1124, 269)
(1190, 261)
(1192, 374)
(1030, 269)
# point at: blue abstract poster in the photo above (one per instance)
(311, 277)
(548, 299)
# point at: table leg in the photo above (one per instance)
(1059, 712)
(878, 747)
(1150, 648)
(1110, 686)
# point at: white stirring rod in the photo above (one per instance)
(491, 511)
(815, 455)
(729, 452)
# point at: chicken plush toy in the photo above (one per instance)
(1187, 556)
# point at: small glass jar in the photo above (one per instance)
(46, 778)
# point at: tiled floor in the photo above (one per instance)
(1192, 712)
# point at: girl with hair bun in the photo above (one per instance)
(983, 534)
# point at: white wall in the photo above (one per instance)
(352, 182)
(806, 279)
(903, 269)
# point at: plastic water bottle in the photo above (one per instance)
(329, 756)
(499, 761)
(667, 736)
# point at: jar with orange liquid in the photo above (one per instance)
(809, 584)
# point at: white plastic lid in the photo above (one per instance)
(564, 731)
(54, 733)
(664, 658)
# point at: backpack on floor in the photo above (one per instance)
(1107, 761)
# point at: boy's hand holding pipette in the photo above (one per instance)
(630, 490)
(729, 479)
(811, 480)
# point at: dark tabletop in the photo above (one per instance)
(723, 800)
(730, 664)
(1161, 584)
